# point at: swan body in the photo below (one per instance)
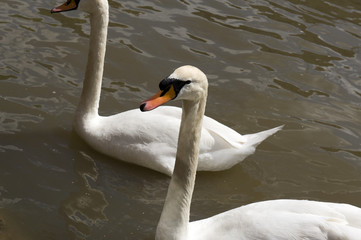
(139, 138)
(269, 220)
(154, 145)
(282, 220)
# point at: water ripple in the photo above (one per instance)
(269, 62)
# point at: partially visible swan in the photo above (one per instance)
(139, 138)
(268, 220)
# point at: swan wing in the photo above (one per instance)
(149, 139)
(232, 137)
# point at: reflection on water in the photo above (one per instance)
(85, 208)
(268, 63)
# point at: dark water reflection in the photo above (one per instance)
(268, 62)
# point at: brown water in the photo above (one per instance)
(269, 63)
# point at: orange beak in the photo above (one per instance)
(67, 6)
(158, 99)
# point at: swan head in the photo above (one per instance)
(83, 5)
(186, 83)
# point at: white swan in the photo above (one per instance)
(139, 138)
(268, 220)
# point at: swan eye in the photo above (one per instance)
(178, 84)
(182, 84)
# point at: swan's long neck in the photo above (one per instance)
(89, 100)
(174, 220)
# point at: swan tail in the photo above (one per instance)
(256, 138)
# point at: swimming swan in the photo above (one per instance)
(139, 138)
(268, 220)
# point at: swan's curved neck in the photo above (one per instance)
(174, 220)
(89, 100)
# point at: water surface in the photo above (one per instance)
(268, 62)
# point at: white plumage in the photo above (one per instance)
(282, 220)
(148, 139)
